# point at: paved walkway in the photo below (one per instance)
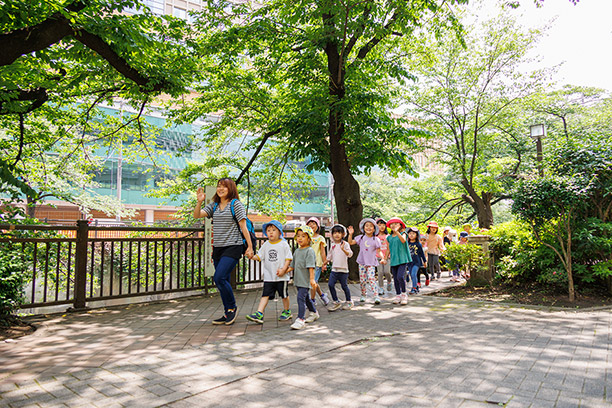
(434, 352)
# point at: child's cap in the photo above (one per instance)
(379, 220)
(447, 228)
(414, 229)
(316, 220)
(274, 223)
(463, 234)
(433, 224)
(371, 220)
(306, 229)
(395, 219)
(467, 224)
(339, 227)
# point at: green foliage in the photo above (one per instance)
(465, 256)
(12, 278)
(49, 116)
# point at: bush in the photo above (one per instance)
(12, 273)
(469, 257)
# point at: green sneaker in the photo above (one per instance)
(256, 317)
(285, 315)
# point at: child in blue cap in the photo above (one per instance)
(275, 256)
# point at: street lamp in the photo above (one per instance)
(537, 132)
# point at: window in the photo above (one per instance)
(179, 12)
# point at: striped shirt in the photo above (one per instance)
(225, 230)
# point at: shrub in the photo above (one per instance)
(12, 272)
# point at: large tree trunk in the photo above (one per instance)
(481, 205)
(346, 188)
(30, 207)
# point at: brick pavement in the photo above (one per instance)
(435, 352)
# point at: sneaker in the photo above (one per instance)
(389, 287)
(404, 300)
(381, 292)
(256, 317)
(362, 299)
(426, 282)
(377, 300)
(220, 320)
(325, 299)
(335, 306)
(413, 291)
(439, 274)
(397, 300)
(298, 324)
(230, 316)
(312, 317)
(419, 284)
(347, 305)
(314, 301)
(285, 315)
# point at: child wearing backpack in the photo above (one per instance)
(338, 255)
(275, 257)
(399, 258)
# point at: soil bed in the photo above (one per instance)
(13, 328)
(529, 295)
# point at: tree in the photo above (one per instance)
(318, 79)
(60, 61)
(468, 100)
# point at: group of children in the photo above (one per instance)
(399, 253)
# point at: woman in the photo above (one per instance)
(227, 245)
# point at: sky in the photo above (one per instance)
(580, 37)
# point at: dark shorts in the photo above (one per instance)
(233, 251)
(271, 288)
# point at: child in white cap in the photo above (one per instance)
(369, 250)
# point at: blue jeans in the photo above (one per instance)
(413, 270)
(343, 278)
(223, 270)
(304, 301)
(399, 278)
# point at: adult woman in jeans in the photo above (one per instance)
(227, 244)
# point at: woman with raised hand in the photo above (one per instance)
(229, 228)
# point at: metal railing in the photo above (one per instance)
(75, 265)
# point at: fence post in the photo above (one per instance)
(80, 277)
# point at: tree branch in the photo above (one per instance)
(257, 151)
(439, 208)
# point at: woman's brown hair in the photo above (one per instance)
(232, 190)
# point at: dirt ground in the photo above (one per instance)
(530, 295)
(13, 328)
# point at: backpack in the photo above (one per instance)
(249, 225)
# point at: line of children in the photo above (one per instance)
(404, 253)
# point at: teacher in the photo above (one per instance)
(227, 241)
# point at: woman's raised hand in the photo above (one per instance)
(200, 194)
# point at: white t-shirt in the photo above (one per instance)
(272, 258)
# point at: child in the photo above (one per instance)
(318, 244)
(369, 249)
(384, 269)
(467, 227)
(303, 267)
(418, 258)
(399, 258)
(275, 256)
(338, 255)
(423, 268)
(435, 246)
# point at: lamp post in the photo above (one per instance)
(537, 132)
